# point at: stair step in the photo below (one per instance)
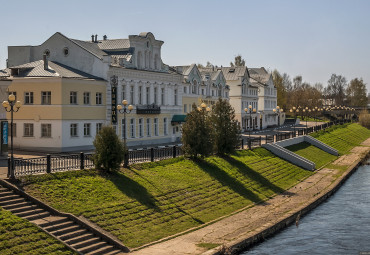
(93, 247)
(29, 211)
(3, 189)
(80, 238)
(24, 208)
(12, 201)
(9, 197)
(73, 234)
(37, 216)
(108, 249)
(62, 225)
(65, 230)
(86, 243)
(53, 222)
(115, 252)
(6, 193)
(17, 205)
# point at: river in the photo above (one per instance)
(340, 225)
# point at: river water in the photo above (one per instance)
(341, 225)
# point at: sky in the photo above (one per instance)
(312, 38)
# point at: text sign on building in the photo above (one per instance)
(114, 99)
(5, 132)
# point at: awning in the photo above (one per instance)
(178, 118)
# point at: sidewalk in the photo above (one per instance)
(246, 224)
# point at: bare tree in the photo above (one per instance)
(239, 61)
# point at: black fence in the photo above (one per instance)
(59, 163)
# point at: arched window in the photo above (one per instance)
(194, 87)
(150, 60)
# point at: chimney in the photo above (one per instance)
(46, 65)
(92, 38)
(96, 38)
(105, 37)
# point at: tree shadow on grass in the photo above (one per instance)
(134, 190)
(250, 173)
(227, 180)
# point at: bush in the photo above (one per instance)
(197, 134)
(109, 150)
(364, 119)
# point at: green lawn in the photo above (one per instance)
(154, 200)
(310, 152)
(18, 236)
(343, 137)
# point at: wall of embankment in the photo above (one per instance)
(272, 229)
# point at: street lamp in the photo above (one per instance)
(277, 111)
(9, 107)
(250, 110)
(125, 109)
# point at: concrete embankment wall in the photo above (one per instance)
(272, 229)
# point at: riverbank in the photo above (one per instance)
(239, 231)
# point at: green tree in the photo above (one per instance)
(197, 133)
(356, 93)
(239, 61)
(226, 127)
(109, 150)
(280, 89)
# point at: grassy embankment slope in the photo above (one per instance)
(18, 236)
(154, 200)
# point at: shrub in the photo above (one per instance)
(109, 150)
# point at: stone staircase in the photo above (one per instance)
(73, 234)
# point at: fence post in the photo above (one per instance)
(9, 162)
(152, 154)
(250, 144)
(260, 141)
(82, 161)
(174, 151)
(48, 163)
(242, 144)
(125, 158)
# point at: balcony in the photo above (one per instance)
(148, 109)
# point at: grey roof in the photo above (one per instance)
(234, 73)
(5, 73)
(114, 44)
(55, 69)
(90, 47)
(259, 74)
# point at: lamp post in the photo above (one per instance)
(277, 111)
(9, 107)
(125, 110)
(249, 110)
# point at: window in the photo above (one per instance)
(194, 87)
(87, 129)
(86, 97)
(185, 108)
(203, 92)
(185, 90)
(148, 127)
(175, 95)
(155, 126)
(65, 51)
(226, 95)
(165, 126)
(140, 94)
(141, 133)
(45, 130)
(124, 132)
(98, 127)
(73, 129)
(14, 129)
(28, 97)
(99, 98)
(123, 92)
(162, 96)
(148, 95)
(155, 96)
(132, 95)
(28, 130)
(46, 97)
(132, 128)
(73, 97)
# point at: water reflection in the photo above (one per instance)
(341, 225)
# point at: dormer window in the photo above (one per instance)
(65, 51)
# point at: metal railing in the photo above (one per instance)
(66, 162)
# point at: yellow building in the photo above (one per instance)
(62, 109)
